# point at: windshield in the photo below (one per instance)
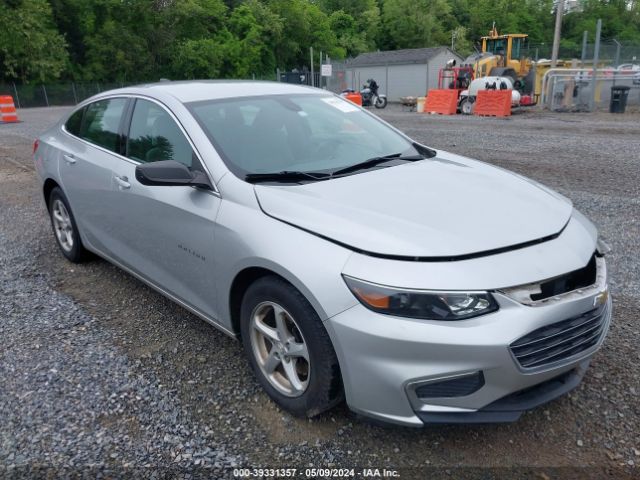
(496, 46)
(302, 133)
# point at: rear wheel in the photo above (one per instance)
(289, 349)
(65, 228)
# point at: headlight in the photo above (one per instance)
(428, 305)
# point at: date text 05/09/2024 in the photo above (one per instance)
(315, 473)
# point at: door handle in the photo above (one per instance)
(123, 182)
(69, 158)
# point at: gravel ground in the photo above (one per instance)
(102, 376)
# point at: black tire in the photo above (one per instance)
(76, 253)
(466, 106)
(324, 389)
(381, 102)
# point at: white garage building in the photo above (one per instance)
(399, 73)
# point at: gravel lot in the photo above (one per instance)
(101, 375)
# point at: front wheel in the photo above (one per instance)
(289, 349)
(381, 102)
(466, 106)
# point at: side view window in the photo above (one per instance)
(75, 122)
(101, 123)
(155, 136)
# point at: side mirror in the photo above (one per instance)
(171, 173)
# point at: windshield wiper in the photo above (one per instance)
(297, 176)
(286, 176)
(372, 162)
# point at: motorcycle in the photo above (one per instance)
(370, 95)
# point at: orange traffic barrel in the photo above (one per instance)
(7, 110)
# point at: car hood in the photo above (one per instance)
(446, 206)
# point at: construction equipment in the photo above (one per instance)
(504, 51)
(468, 97)
(455, 78)
(503, 56)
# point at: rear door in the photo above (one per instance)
(89, 154)
(164, 233)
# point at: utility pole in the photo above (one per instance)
(556, 33)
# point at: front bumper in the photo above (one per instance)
(384, 359)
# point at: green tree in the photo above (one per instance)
(304, 25)
(201, 58)
(256, 30)
(415, 23)
(620, 20)
(31, 49)
(349, 37)
(461, 43)
(365, 29)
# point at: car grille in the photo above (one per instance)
(561, 340)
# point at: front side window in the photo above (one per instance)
(294, 132)
(515, 48)
(101, 123)
(154, 136)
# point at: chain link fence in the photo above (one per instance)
(54, 94)
(612, 53)
(577, 90)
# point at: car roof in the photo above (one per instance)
(198, 90)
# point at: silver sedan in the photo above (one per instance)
(352, 262)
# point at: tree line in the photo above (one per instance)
(137, 40)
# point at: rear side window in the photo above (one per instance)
(155, 136)
(74, 122)
(102, 121)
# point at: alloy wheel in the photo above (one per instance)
(62, 225)
(280, 349)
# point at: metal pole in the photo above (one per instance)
(277, 74)
(386, 80)
(320, 80)
(556, 33)
(15, 89)
(583, 57)
(75, 95)
(46, 99)
(596, 53)
(617, 60)
(312, 79)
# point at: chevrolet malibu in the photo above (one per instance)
(351, 261)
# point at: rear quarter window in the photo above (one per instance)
(75, 122)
